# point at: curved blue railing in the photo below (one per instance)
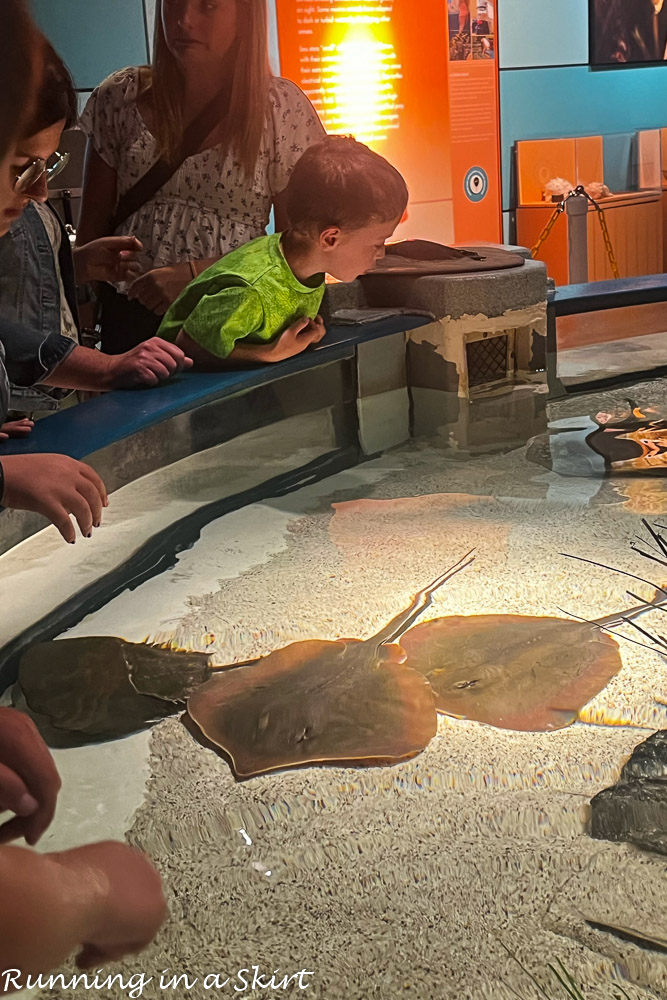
(85, 429)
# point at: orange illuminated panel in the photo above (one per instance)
(378, 69)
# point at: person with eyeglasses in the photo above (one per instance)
(38, 271)
(58, 487)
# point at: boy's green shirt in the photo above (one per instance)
(250, 294)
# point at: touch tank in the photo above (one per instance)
(439, 840)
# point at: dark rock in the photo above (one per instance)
(649, 759)
(635, 810)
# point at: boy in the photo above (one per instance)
(260, 302)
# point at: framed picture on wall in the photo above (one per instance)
(628, 32)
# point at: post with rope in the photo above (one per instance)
(578, 249)
(576, 209)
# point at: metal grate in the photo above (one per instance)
(487, 360)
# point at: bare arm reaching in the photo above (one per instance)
(101, 902)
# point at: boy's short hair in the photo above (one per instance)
(340, 182)
(56, 98)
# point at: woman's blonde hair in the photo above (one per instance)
(250, 76)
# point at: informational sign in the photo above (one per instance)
(380, 70)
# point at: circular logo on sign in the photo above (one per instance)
(476, 184)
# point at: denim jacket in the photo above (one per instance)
(26, 357)
(30, 294)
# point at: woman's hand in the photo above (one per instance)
(157, 289)
(147, 364)
(56, 487)
(16, 428)
(113, 258)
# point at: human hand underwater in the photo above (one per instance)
(29, 780)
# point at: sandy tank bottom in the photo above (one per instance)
(430, 879)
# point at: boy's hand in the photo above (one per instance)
(146, 364)
(57, 487)
(16, 428)
(113, 258)
(296, 338)
(29, 781)
(157, 289)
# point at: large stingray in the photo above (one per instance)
(514, 671)
(102, 686)
(322, 702)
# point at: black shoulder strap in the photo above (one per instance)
(162, 171)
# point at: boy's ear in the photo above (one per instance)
(329, 238)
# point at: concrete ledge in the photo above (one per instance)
(490, 293)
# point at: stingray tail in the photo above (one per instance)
(398, 625)
(657, 604)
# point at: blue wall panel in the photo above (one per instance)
(94, 37)
(542, 32)
(574, 100)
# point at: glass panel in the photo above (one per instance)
(622, 173)
(463, 869)
(611, 343)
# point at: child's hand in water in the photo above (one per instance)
(29, 781)
(16, 428)
(296, 338)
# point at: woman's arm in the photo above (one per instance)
(98, 201)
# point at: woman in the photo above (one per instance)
(207, 53)
(38, 272)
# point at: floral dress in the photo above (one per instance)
(208, 207)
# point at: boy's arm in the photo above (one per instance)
(222, 317)
(216, 332)
(295, 339)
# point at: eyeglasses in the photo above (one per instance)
(36, 170)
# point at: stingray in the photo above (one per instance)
(514, 671)
(319, 702)
(104, 687)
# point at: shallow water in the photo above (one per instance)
(436, 877)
